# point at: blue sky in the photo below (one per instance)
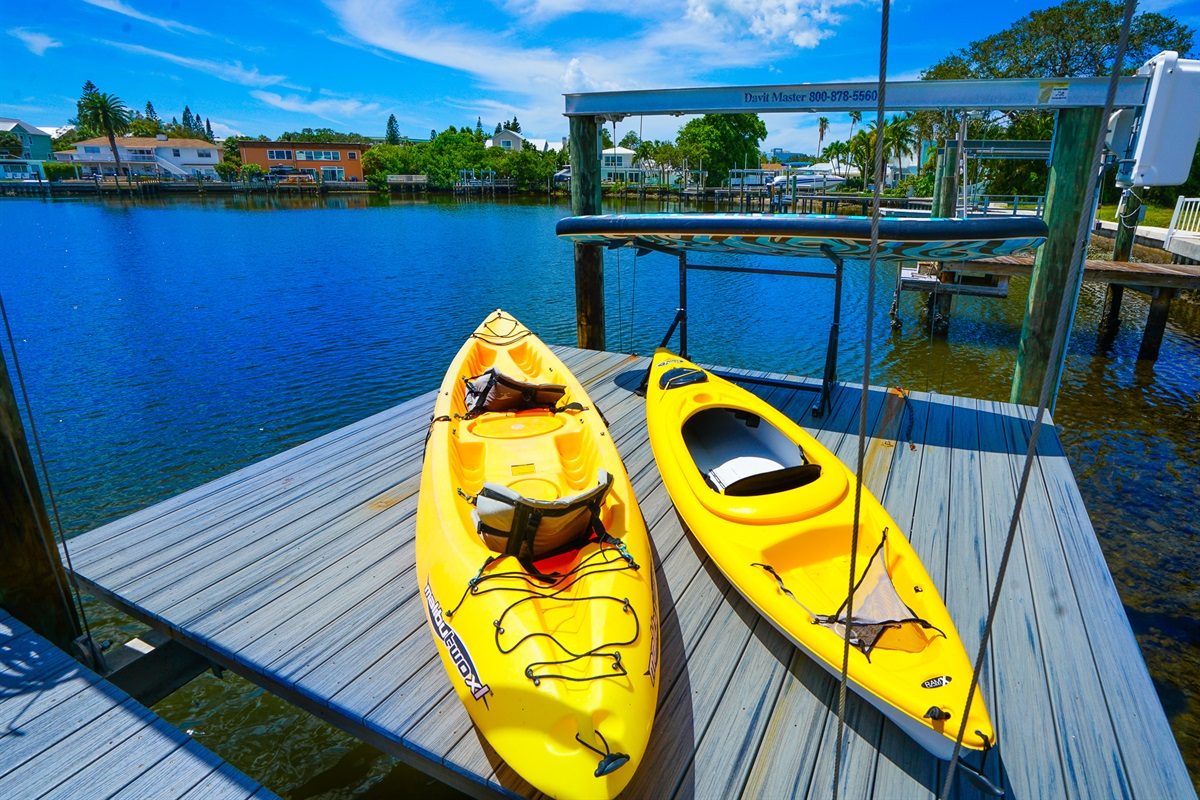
(266, 67)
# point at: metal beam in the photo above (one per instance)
(1009, 94)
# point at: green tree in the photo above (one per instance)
(227, 170)
(145, 127)
(822, 129)
(231, 149)
(322, 135)
(606, 140)
(722, 141)
(106, 113)
(250, 172)
(855, 119)
(631, 141)
(188, 121)
(208, 133)
(514, 126)
(10, 144)
(151, 114)
(1077, 38)
(392, 135)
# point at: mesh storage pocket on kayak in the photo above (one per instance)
(528, 529)
(881, 618)
(495, 391)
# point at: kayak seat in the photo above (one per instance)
(527, 528)
(741, 454)
(494, 391)
(779, 480)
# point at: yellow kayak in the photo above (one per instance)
(535, 567)
(774, 510)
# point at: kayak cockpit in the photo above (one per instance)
(740, 454)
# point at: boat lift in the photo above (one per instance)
(1151, 134)
(680, 321)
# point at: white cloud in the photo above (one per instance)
(667, 43)
(38, 43)
(232, 72)
(222, 130)
(118, 7)
(332, 109)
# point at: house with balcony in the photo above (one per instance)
(35, 148)
(619, 165)
(325, 161)
(157, 156)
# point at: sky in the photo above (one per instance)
(265, 67)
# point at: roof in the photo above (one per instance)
(619, 151)
(9, 123)
(294, 145)
(148, 141)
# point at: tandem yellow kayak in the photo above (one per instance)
(535, 567)
(773, 508)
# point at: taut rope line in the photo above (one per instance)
(866, 389)
(1056, 347)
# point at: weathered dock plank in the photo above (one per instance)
(64, 732)
(297, 572)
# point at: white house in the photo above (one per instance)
(35, 148)
(511, 140)
(619, 165)
(160, 155)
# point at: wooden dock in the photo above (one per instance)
(66, 733)
(297, 573)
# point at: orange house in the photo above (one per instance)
(325, 161)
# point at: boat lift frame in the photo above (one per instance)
(680, 321)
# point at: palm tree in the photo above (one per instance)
(107, 114)
(899, 138)
(836, 151)
(855, 118)
(822, 129)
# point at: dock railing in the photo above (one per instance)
(1010, 203)
(1185, 222)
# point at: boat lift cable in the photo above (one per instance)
(1056, 347)
(866, 389)
(88, 645)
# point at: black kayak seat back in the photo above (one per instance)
(521, 526)
(495, 391)
(681, 376)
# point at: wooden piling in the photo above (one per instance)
(945, 195)
(1156, 324)
(1110, 317)
(1070, 164)
(33, 584)
(589, 258)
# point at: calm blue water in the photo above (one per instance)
(167, 343)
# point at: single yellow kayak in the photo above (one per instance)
(774, 509)
(535, 567)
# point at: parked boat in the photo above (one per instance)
(536, 568)
(773, 509)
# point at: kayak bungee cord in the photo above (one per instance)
(597, 562)
(514, 334)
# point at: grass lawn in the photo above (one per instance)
(1156, 216)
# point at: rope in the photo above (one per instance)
(866, 388)
(1056, 347)
(25, 480)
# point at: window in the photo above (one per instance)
(279, 155)
(610, 161)
(175, 152)
(505, 144)
(204, 154)
(92, 150)
(352, 155)
(318, 155)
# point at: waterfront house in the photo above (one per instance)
(35, 148)
(511, 140)
(620, 166)
(327, 161)
(152, 156)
